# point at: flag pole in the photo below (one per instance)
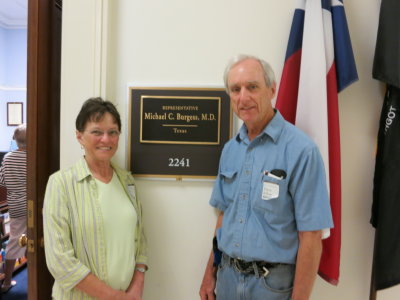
(372, 290)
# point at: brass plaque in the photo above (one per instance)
(180, 120)
(177, 132)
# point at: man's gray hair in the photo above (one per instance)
(20, 136)
(269, 75)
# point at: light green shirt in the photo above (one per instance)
(74, 229)
(118, 212)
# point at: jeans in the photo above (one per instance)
(233, 285)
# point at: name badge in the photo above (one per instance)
(270, 190)
(132, 191)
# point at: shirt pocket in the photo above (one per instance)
(271, 195)
(229, 184)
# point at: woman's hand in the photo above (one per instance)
(121, 295)
(96, 288)
(135, 290)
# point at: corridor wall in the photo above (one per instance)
(109, 45)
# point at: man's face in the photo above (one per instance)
(250, 96)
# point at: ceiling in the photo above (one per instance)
(13, 13)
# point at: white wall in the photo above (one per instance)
(108, 44)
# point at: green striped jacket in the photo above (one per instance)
(74, 230)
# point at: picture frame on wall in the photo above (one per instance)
(14, 113)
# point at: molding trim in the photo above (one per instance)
(100, 50)
(12, 26)
(14, 14)
(12, 88)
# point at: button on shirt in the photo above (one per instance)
(264, 212)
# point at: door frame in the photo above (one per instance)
(43, 130)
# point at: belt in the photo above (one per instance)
(259, 268)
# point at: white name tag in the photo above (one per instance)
(270, 190)
(132, 191)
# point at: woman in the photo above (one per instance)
(13, 177)
(94, 241)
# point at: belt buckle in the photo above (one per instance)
(239, 266)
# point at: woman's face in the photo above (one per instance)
(100, 139)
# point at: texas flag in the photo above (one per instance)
(319, 63)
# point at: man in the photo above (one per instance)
(13, 177)
(271, 191)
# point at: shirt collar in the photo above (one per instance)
(273, 129)
(84, 171)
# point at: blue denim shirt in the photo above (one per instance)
(264, 212)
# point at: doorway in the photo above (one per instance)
(13, 68)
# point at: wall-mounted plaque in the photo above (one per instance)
(14, 113)
(178, 132)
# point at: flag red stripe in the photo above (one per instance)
(330, 260)
(289, 87)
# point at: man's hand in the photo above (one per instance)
(308, 257)
(209, 280)
(208, 285)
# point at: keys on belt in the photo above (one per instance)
(260, 268)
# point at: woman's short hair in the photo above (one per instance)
(20, 136)
(269, 75)
(93, 110)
